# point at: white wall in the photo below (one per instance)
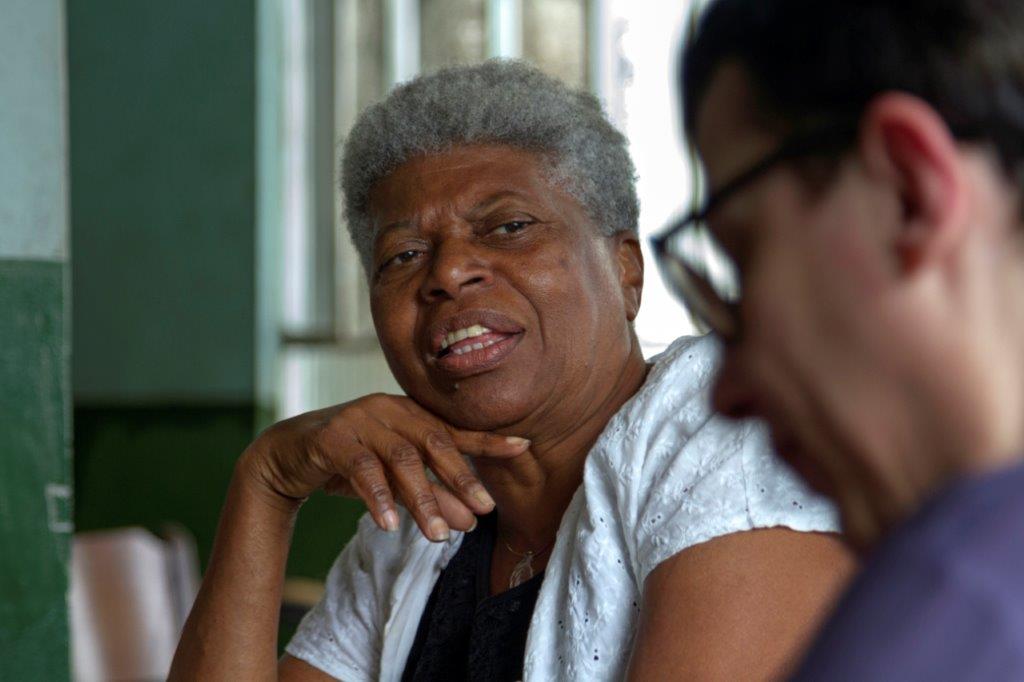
(33, 138)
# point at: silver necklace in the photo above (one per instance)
(523, 570)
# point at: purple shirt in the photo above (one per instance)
(942, 598)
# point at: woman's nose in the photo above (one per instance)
(455, 270)
(731, 395)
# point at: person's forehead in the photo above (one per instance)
(727, 135)
(459, 178)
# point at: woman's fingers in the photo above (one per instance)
(484, 444)
(380, 446)
(366, 476)
(455, 513)
(405, 466)
(418, 424)
(452, 469)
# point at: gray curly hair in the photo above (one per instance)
(498, 101)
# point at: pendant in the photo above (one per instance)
(522, 571)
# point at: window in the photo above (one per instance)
(644, 42)
(452, 32)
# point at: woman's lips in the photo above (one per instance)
(478, 354)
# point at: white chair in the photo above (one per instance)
(130, 594)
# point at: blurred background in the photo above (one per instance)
(174, 275)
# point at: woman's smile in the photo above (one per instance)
(472, 342)
(477, 354)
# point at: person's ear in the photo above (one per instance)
(630, 262)
(905, 143)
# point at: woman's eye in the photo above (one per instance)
(399, 259)
(510, 227)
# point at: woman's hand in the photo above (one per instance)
(376, 448)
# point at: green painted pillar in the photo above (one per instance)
(35, 457)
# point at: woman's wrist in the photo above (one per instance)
(250, 479)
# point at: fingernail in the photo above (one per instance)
(521, 442)
(483, 497)
(438, 529)
(390, 521)
(473, 527)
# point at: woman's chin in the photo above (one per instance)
(496, 411)
(498, 421)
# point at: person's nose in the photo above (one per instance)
(732, 395)
(456, 269)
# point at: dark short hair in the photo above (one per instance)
(811, 62)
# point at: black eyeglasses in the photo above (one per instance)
(692, 261)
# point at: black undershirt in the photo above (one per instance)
(465, 633)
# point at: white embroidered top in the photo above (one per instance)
(664, 475)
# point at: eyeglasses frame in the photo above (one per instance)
(721, 316)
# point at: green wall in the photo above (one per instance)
(35, 463)
(162, 125)
(163, 173)
(35, 468)
(162, 121)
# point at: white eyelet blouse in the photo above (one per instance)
(664, 475)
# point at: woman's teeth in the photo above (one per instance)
(462, 335)
(476, 346)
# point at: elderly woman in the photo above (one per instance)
(584, 516)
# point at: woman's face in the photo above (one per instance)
(497, 303)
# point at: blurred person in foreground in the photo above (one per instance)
(865, 168)
(606, 524)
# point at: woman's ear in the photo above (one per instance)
(630, 261)
(906, 144)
